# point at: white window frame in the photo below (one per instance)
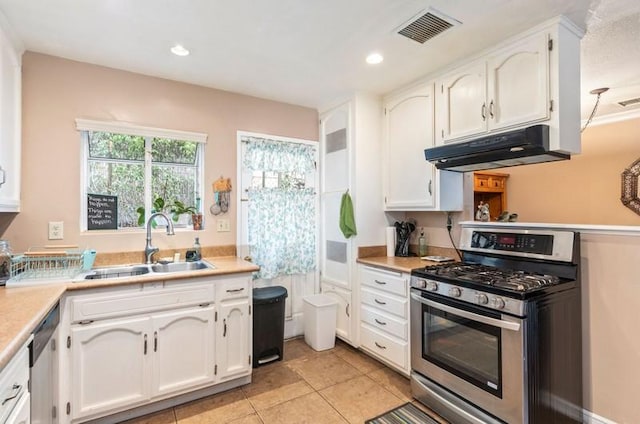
(86, 125)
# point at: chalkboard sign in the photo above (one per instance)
(102, 212)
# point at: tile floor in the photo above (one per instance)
(341, 385)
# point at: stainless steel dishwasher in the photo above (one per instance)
(43, 369)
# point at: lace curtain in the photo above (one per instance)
(281, 220)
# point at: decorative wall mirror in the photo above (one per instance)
(630, 196)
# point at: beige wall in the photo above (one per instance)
(57, 91)
(583, 190)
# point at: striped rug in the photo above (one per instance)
(405, 414)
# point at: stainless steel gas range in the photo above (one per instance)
(496, 338)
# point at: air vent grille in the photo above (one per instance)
(425, 27)
(629, 102)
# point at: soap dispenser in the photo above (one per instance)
(196, 247)
(422, 244)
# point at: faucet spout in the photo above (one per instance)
(149, 250)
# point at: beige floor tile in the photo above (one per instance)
(163, 417)
(363, 363)
(396, 383)
(249, 419)
(297, 348)
(308, 409)
(220, 408)
(360, 399)
(273, 384)
(324, 370)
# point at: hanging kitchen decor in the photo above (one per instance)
(629, 195)
(221, 196)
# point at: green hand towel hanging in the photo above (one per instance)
(347, 221)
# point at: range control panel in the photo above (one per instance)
(513, 242)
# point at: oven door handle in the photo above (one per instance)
(507, 325)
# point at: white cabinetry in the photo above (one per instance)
(410, 182)
(10, 124)
(531, 78)
(233, 334)
(349, 159)
(384, 316)
(129, 346)
(508, 88)
(14, 388)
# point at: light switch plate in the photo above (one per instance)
(222, 225)
(56, 230)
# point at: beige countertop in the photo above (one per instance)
(395, 263)
(22, 308)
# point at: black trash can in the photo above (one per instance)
(268, 324)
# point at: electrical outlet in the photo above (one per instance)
(222, 225)
(56, 230)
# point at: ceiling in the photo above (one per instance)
(312, 52)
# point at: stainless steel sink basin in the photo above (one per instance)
(135, 270)
(180, 266)
(117, 272)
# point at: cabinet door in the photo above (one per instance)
(10, 111)
(409, 177)
(22, 413)
(233, 340)
(183, 346)
(518, 80)
(110, 365)
(462, 109)
(344, 311)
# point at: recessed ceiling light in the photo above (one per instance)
(374, 58)
(178, 50)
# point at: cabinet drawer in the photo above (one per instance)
(100, 306)
(394, 327)
(391, 282)
(232, 288)
(384, 302)
(13, 382)
(393, 350)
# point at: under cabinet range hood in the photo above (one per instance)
(513, 148)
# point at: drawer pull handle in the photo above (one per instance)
(380, 346)
(155, 341)
(379, 302)
(224, 331)
(17, 388)
(234, 290)
(145, 344)
(379, 322)
(346, 310)
(380, 282)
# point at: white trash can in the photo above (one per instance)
(320, 321)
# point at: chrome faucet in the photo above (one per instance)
(148, 249)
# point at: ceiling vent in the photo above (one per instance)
(629, 102)
(427, 25)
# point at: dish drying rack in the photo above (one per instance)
(46, 263)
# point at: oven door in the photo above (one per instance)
(477, 354)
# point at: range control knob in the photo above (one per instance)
(482, 299)
(498, 303)
(419, 284)
(432, 286)
(455, 292)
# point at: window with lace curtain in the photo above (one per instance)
(281, 206)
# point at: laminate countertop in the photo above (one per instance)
(22, 308)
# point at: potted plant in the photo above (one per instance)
(159, 205)
(181, 212)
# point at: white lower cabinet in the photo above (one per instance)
(384, 316)
(344, 311)
(22, 413)
(14, 389)
(120, 359)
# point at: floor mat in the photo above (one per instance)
(405, 414)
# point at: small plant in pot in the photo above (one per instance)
(158, 205)
(180, 213)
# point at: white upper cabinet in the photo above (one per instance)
(410, 182)
(10, 125)
(533, 78)
(518, 90)
(507, 88)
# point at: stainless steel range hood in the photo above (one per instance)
(513, 148)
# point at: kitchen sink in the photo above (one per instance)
(117, 272)
(135, 270)
(180, 266)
